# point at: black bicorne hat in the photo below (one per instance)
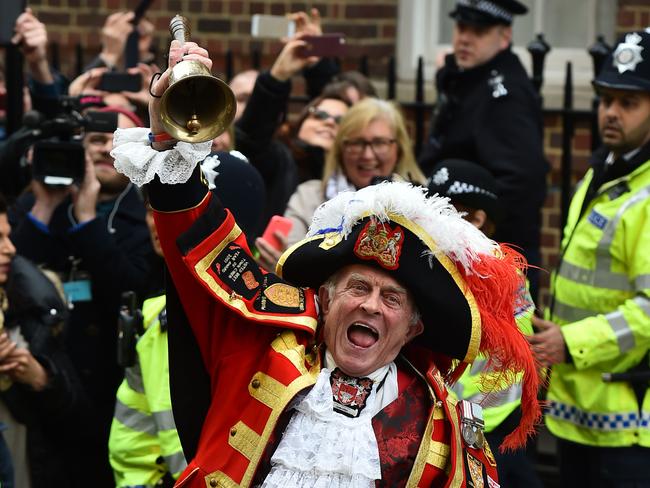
(487, 12)
(423, 242)
(628, 65)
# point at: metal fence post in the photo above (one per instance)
(256, 58)
(229, 65)
(79, 58)
(419, 106)
(567, 139)
(538, 49)
(391, 79)
(15, 81)
(598, 52)
(363, 65)
(55, 58)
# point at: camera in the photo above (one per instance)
(59, 157)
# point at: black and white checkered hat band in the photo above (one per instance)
(460, 187)
(487, 7)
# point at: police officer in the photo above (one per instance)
(487, 111)
(472, 190)
(597, 337)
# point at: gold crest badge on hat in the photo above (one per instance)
(379, 241)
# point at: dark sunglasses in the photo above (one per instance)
(322, 115)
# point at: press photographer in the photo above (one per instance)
(93, 234)
(58, 157)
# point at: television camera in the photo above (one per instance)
(58, 157)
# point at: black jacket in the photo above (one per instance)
(491, 115)
(255, 138)
(114, 252)
(115, 262)
(282, 167)
(36, 308)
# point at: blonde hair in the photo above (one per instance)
(360, 116)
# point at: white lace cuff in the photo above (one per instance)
(138, 161)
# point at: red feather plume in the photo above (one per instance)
(502, 343)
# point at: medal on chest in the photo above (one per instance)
(349, 394)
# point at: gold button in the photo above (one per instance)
(255, 383)
(233, 432)
(213, 482)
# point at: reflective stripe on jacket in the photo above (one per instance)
(143, 443)
(601, 300)
(497, 404)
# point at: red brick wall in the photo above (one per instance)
(632, 15)
(220, 25)
(551, 213)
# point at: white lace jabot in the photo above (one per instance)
(324, 449)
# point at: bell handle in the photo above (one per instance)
(179, 28)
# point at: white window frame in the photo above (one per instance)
(418, 35)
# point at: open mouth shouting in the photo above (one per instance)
(362, 335)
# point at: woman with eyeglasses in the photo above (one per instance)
(313, 134)
(371, 145)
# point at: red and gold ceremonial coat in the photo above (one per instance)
(258, 338)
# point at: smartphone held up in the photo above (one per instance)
(325, 45)
(272, 26)
(280, 224)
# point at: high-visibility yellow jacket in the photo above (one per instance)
(143, 443)
(601, 299)
(496, 404)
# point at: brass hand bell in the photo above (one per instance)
(197, 106)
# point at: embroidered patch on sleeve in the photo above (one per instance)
(236, 269)
(279, 297)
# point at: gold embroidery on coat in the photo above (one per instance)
(287, 345)
(438, 455)
(219, 480)
(270, 391)
(244, 439)
(488, 454)
(308, 378)
(475, 470)
(249, 280)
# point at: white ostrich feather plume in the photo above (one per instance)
(454, 236)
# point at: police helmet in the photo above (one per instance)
(628, 65)
(487, 12)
